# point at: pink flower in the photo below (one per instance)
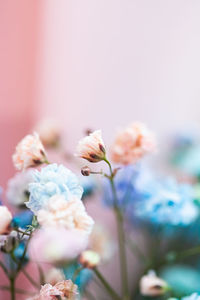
(69, 214)
(132, 143)
(65, 289)
(151, 285)
(29, 152)
(56, 245)
(5, 219)
(91, 147)
(49, 133)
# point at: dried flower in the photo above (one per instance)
(132, 143)
(89, 259)
(151, 285)
(5, 219)
(29, 152)
(91, 147)
(70, 214)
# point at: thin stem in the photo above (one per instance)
(121, 236)
(4, 268)
(107, 286)
(12, 288)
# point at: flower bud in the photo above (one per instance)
(85, 171)
(5, 219)
(9, 242)
(151, 285)
(89, 259)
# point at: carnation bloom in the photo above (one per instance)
(65, 289)
(70, 214)
(151, 285)
(91, 147)
(132, 143)
(29, 152)
(49, 132)
(5, 219)
(17, 189)
(52, 180)
(56, 245)
(54, 275)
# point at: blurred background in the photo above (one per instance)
(98, 64)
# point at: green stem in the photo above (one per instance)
(121, 237)
(12, 288)
(107, 286)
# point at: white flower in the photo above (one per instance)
(5, 219)
(29, 152)
(89, 259)
(17, 189)
(151, 285)
(91, 147)
(69, 214)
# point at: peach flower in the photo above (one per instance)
(91, 147)
(132, 143)
(151, 285)
(49, 133)
(69, 214)
(62, 290)
(5, 219)
(29, 152)
(54, 275)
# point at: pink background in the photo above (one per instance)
(98, 64)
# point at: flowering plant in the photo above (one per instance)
(53, 229)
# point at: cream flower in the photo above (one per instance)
(89, 259)
(91, 147)
(132, 143)
(69, 214)
(29, 152)
(65, 289)
(49, 132)
(151, 285)
(5, 219)
(54, 275)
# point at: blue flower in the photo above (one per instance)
(128, 182)
(168, 203)
(52, 180)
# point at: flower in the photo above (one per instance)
(85, 171)
(132, 143)
(57, 245)
(91, 147)
(52, 180)
(29, 152)
(5, 219)
(22, 219)
(89, 259)
(151, 285)
(101, 242)
(54, 275)
(65, 289)
(70, 214)
(9, 241)
(167, 202)
(49, 132)
(17, 188)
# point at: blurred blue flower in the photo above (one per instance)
(82, 279)
(19, 252)
(168, 203)
(129, 183)
(22, 219)
(51, 180)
